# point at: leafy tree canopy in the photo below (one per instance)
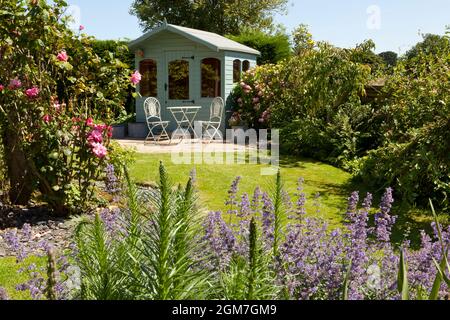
(390, 58)
(219, 16)
(431, 44)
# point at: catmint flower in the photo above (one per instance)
(3, 294)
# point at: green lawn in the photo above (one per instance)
(10, 277)
(214, 180)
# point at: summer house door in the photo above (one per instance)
(179, 82)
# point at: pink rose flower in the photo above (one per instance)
(62, 56)
(255, 100)
(1, 87)
(81, 28)
(32, 93)
(47, 118)
(95, 136)
(99, 150)
(15, 84)
(136, 78)
(100, 127)
(90, 122)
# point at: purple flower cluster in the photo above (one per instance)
(112, 182)
(3, 294)
(313, 259)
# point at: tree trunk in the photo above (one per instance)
(20, 177)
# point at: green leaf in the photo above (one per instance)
(434, 295)
(403, 286)
(347, 282)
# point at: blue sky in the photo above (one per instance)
(393, 24)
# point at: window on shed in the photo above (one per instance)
(211, 78)
(179, 80)
(149, 83)
(245, 66)
(237, 69)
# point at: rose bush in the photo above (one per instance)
(57, 100)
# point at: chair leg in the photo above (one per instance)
(216, 132)
(150, 134)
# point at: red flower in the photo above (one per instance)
(47, 118)
(90, 122)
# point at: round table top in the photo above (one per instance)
(184, 108)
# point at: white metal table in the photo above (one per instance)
(184, 117)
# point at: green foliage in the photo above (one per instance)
(118, 49)
(364, 54)
(121, 158)
(390, 58)
(432, 44)
(302, 40)
(414, 117)
(273, 47)
(402, 282)
(154, 258)
(222, 17)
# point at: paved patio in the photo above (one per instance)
(194, 146)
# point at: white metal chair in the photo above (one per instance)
(212, 127)
(152, 109)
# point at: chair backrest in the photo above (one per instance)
(217, 108)
(152, 109)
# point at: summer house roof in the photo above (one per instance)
(211, 40)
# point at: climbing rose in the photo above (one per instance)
(81, 27)
(95, 136)
(136, 78)
(99, 150)
(1, 87)
(32, 93)
(15, 84)
(47, 118)
(62, 56)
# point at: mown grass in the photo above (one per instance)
(214, 181)
(10, 277)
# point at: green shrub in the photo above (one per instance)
(414, 117)
(273, 48)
